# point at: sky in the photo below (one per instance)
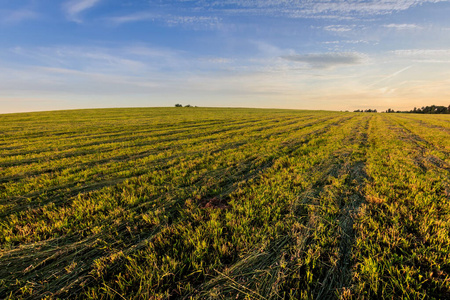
(295, 54)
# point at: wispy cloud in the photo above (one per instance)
(169, 20)
(389, 76)
(339, 28)
(81, 59)
(136, 17)
(211, 12)
(301, 9)
(371, 7)
(354, 42)
(192, 20)
(403, 26)
(130, 60)
(326, 60)
(422, 52)
(74, 8)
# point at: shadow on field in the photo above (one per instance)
(313, 257)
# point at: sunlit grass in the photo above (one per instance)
(224, 203)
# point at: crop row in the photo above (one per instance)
(222, 203)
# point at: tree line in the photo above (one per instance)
(180, 105)
(366, 110)
(433, 109)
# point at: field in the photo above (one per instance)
(203, 203)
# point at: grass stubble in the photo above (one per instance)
(202, 203)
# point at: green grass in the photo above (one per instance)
(204, 203)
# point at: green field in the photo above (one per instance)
(203, 203)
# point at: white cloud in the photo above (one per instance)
(97, 59)
(137, 17)
(192, 20)
(137, 61)
(74, 8)
(373, 7)
(169, 20)
(339, 28)
(301, 9)
(422, 52)
(327, 60)
(213, 11)
(356, 42)
(403, 26)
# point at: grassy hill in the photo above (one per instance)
(205, 203)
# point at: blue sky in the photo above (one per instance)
(326, 54)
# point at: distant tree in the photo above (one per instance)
(188, 105)
(369, 110)
(433, 109)
(178, 105)
(441, 110)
